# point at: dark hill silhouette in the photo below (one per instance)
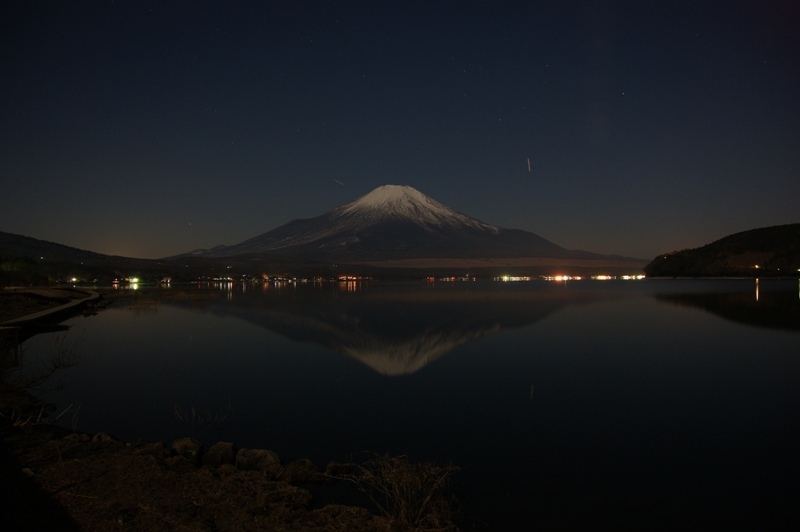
(765, 252)
(26, 260)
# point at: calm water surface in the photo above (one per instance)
(581, 405)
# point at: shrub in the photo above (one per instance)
(412, 495)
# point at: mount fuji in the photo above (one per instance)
(396, 223)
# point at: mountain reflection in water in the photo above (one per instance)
(772, 309)
(588, 405)
(391, 329)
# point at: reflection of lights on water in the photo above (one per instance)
(352, 283)
(226, 286)
(756, 287)
(349, 286)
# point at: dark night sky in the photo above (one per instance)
(149, 129)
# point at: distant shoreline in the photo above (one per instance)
(513, 262)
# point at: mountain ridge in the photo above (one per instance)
(394, 222)
(392, 231)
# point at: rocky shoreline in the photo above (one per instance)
(67, 480)
(97, 482)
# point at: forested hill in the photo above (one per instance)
(29, 261)
(766, 252)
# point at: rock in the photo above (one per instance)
(258, 460)
(339, 517)
(281, 496)
(156, 448)
(180, 465)
(77, 437)
(220, 453)
(187, 448)
(103, 439)
(338, 470)
(302, 471)
(76, 441)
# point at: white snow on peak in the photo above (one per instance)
(389, 194)
(400, 201)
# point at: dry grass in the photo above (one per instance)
(196, 417)
(412, 495)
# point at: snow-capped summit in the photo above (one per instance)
(407, 203)
(391, 196)
(395, 222)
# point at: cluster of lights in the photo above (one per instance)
(512, 278)
(132, 282)
(623, 277)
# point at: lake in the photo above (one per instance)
(584, 404)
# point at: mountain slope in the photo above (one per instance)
(19, 246)
(26, 260)
(393, 222)
(768, 251)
